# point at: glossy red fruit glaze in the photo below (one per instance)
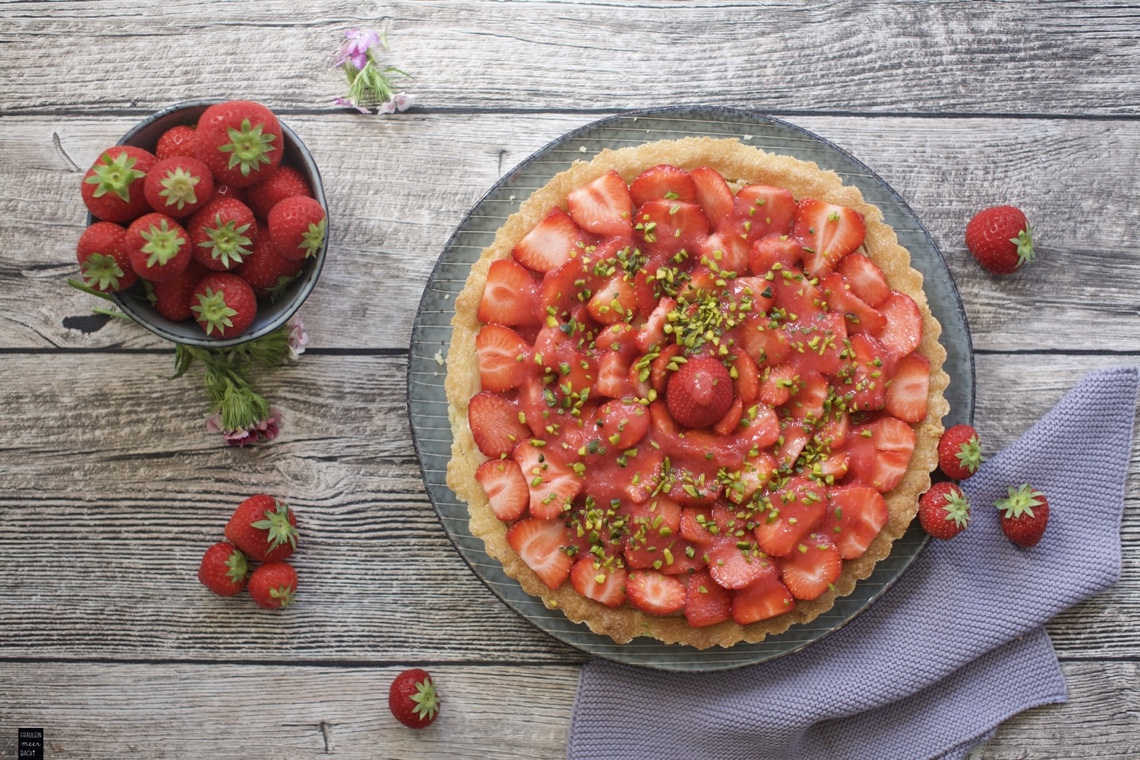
(700, 393)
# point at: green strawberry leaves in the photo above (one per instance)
(227, 242)
(279, 526)
(114, 174)
(212, 311)
(249, 147)
(162, 243)
(102, 272)
(178, 188)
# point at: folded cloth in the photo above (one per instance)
(932, 668)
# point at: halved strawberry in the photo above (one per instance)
(669, 226)
(504, 358)
(602, 206)
(762, 210)
(828, 233)
(510, 297)
(735, 564)
(602, 583)
(730, 422)
(860, 318)
(719, 254)
(495, 425)
(664, 182)
(765, 598)
(550, 244)
(567, 287)
(706, 603)
(903, 332)
(713, 194)
(697, 525)
(880, 452)
(654, 592)
(794, 438)
(765, 340)
(855, 515)
(771, 250)
(812, 568)
(552, 485)
(778, 384)
(506, 489)
(622, 423)
(906, 395)
(796, 293)
(652, 333)
(796, 510)
(746, 383)
(808, 403)
(541, 544)
(817, 341)
(613, 301)
(865, 278)
(870, 366)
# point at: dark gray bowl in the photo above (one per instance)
(270, 316)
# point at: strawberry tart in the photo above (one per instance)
(695, 390)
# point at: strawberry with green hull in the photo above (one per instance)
(264, 528)
(284, 183)
(223, 569)
(297, 226)
(959, 453)
(272, 585)
(224, 305)
(222, 233)
(1024, 515)
(944, 510)
(413, 700)
(176, 141)
(158, 247)
(178, 186)
(103, 262)
(173, 299)
(267, 271)
(1000, 239)
(241, 141)
(112, 188)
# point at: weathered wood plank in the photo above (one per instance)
(92, 711)
(396, 202)
(777, 56)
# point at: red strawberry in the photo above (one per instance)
(285, 182)
(178, 186)
(550, 244)
(504, 358)
(605, 584)
(903, 331)
(602, 206)
(223, 569)
(158, 246)
(222, 233)
(173, 299)
(510, 297)
(906, 395)
(613, 301)
(103, 262)
(654, 592)
(1025, 514)
(812, 567)
(176, 141)
(735, 564)
(854, 517)
(298, 227)
(871, 366)
(706, 603)
(267, 271)
(865, 278)
(622, 423)
(827, 233)
(413, 700)
(541, 544)
(699, 394)
(224, 305)
(495, 424)
(860, 318)
(665, 227)
(264, 528)
(563, 288)
(506, 488)
(771, 250)
(663, 182)
(796, 511)
(553, 486)
(1001, 239)
(880, 452)
(229, 191)
(944, 510)
(766, 598)
(713, 194)
(241, 142)
(273, 585)
(761, 210)
(112, 188)
(959, 453)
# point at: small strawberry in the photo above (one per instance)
(1025, 513)
(158, 246)
(1001, 239)
(602, 206)
(273, 585)
(222, 233)
(699, 393)
(174, 298)
(241, 141)
(103, 262)
(413, 700)
(226, 305)
(944, 510)
(264, 528)
(655, 593)
(550, 244)
(113, 187)
(511, 296)
(178, 186)
(297, 226)
(266, 271)
(176, 141)
(284, 183)
(828, 233)
(223, 569)
(959, 453)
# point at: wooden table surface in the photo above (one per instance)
(110, 488)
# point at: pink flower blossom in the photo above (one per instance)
(265, 430)
(298, 338)
(348, 104)
(404, 101)
(356, 46)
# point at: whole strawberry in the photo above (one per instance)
(223, 569)
(178, 186)
(267, 271)
(284, 183)
(264, 528)
(241, 141)
(1025, 514)
(222, 233)
(113, 187)
(959, 453)
(224, 305)
(700, 393)
(176, 141)
(1000, 238)
(944, 510)
(297, 226)
(413, 700)
(103, 262)
(174, 298)
(273, 585)
(158, 246)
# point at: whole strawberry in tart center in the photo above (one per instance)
(699, 394)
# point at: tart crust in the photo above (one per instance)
(738, 164)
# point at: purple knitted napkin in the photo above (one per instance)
(932, 668)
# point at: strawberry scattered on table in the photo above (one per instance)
(1024, 515)
(263, 527)
(413, 700)
(1000, 239)
(224, 569)
(959, 453)
(272, 585)
(944, 510)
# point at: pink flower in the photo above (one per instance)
(356, 46)
(265, 430)
(404, 101)
(349, 104)
(298, 338)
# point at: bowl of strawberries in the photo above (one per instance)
(207, 223)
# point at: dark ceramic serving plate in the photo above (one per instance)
(432, 333)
